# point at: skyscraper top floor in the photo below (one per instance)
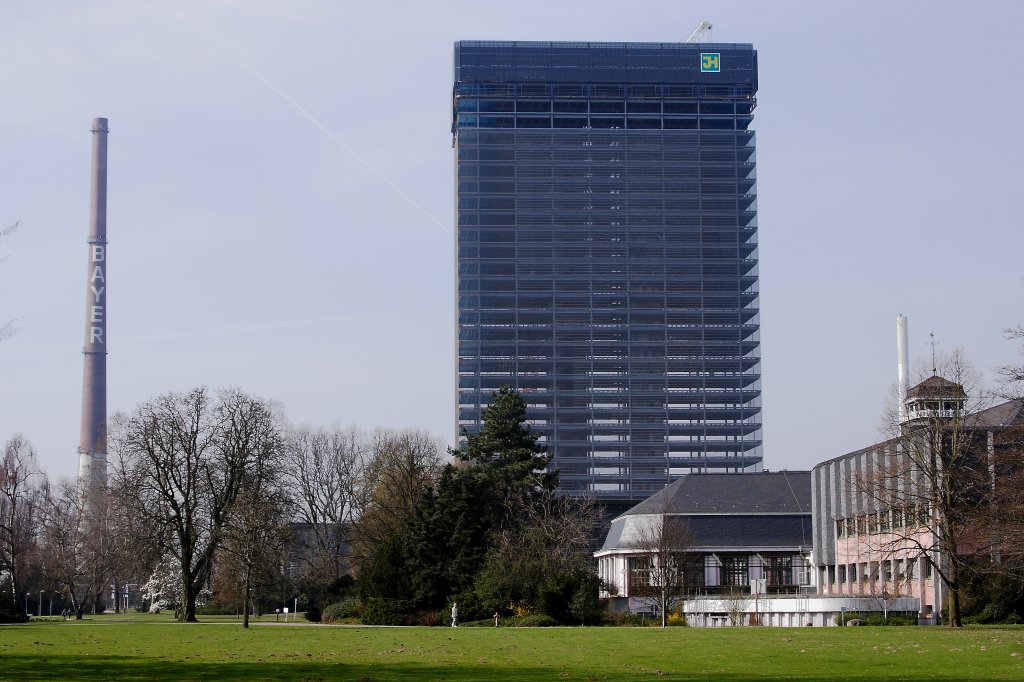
(733, 64)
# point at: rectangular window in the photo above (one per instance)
(735, 571)
(599, 107)
(491, 105)
(641, 123)
(693, 573)
(680, 107)
(570, 106)
(539, 105)
(638, 573)
(778, 570)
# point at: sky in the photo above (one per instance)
(281, 202)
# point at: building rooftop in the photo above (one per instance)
(936, 387)
(511, 61)
(768, 511)
(1010, 413)
(777, 492)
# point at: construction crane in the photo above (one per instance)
(702, 30)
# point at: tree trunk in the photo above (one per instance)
(187, 608)
(953, 584)
(954, 605)
(954, 610)
(245, 599)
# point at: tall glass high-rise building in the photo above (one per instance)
(607, 254)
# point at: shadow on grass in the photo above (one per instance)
(125, 668)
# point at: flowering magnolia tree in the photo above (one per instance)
(164, 587)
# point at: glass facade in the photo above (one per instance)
(607, 254)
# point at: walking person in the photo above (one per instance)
(455, 614)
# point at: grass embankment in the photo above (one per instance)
(146, 648)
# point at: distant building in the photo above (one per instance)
(746, 532)
(607, 254)
(866, 547)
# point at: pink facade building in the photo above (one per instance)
(877, 519)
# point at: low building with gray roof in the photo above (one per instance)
(742, 531)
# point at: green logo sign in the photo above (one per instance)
(710, 62)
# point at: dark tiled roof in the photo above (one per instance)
(750, 531)
(727, 531)
(778, 492)
(936, 387)
(1010, 413)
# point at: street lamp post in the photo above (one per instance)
(40, 611)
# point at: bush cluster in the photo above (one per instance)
(993, 614)
(346, 608)
(629, 620)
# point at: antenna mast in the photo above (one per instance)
(703, 29)
(935, 370)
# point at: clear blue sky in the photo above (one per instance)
(281, 199)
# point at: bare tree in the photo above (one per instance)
(20, 484)
(187, 457)
(736, 603)
(930, 482)
(75, 547)
(403, 466)
(664, 552)
(326, 471)
(133, 546)
(255, 536)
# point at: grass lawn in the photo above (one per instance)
(155, 648)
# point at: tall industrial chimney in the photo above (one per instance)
(92, 445)
(902, 365)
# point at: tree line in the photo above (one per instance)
(213, 498)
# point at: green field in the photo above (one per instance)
(146, 648)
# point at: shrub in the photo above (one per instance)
(570, 597)
(629, 620)
(383, 611)
(218, 610)
(677, 619)
(893, 619)
(536, 620)
(992, 614)
(471, 607)
(429, 618)
(528, 621)
(346, 608)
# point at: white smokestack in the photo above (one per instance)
(902, 364)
